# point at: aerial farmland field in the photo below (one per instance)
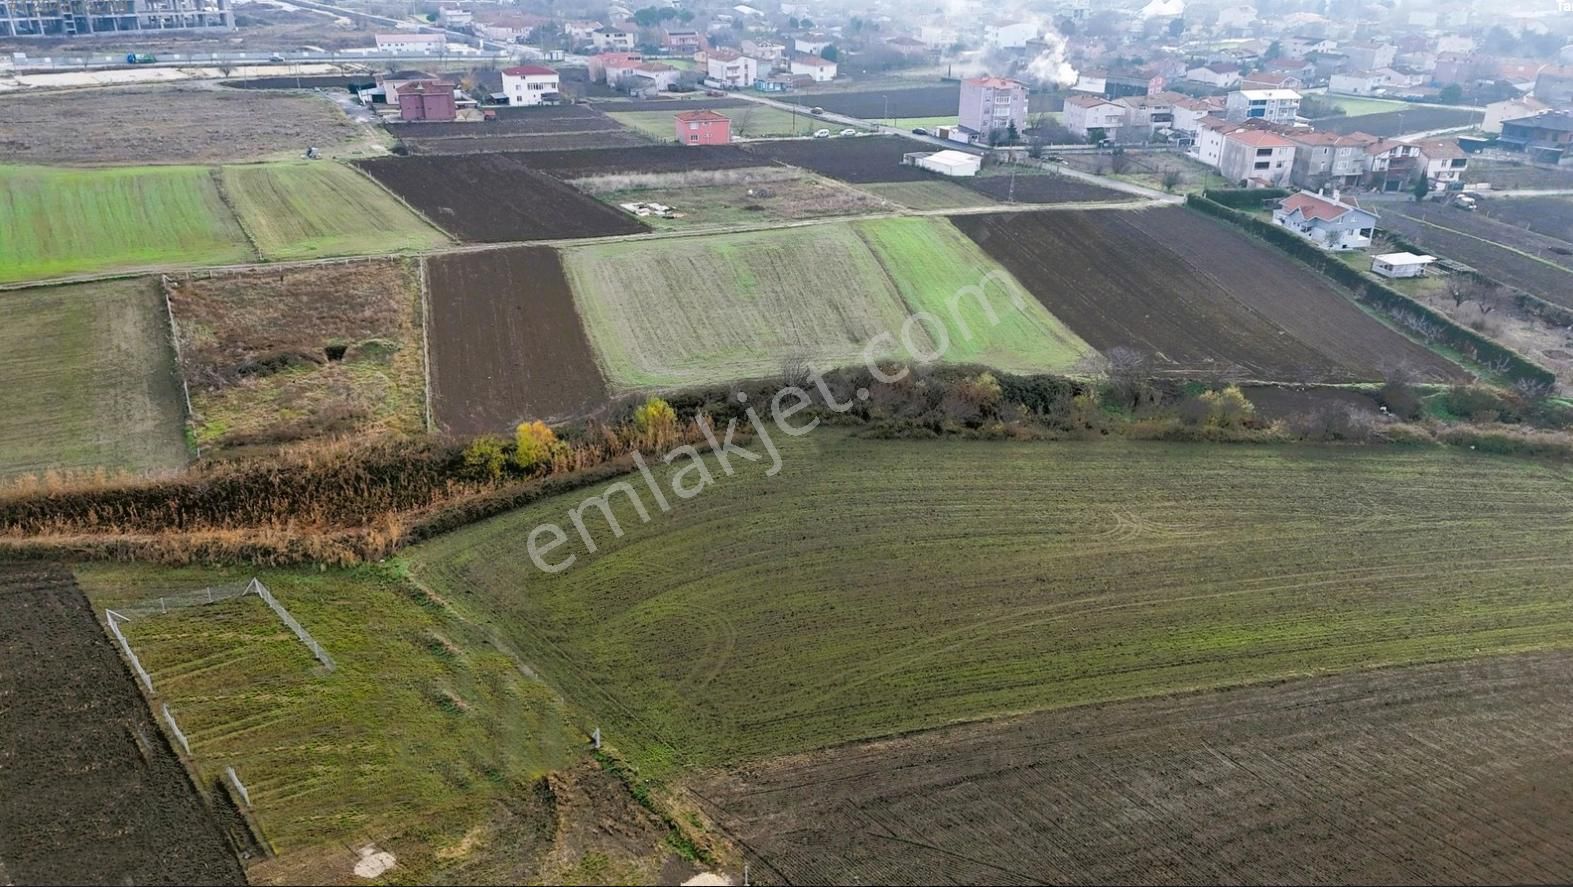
(930, 262)
(1033, 185)
(859, 160)
(424, 738)
(647, 159)
(276, 355)
(94, 793)
(917, 101)
(90, 380)
(822, 293)
(935, 194)
(1550, 216)
(876, 587)
(497, 198)
(173, 124)
(753, 121)
(735, 197)
(1153, 280)
(1536, 263)
(1406, 120)
(1299, 782)
(57, 222)
(507, 345)
(304, 210)
(766, 297)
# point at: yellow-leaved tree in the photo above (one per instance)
(534, 444)
(656, 421)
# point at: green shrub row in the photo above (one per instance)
(1241, 198)
(1380, 295)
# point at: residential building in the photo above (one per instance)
(992, 103)
(810, 44)
(703, 128)
(1510, 109)
(507, 26)
(451, 16)
(1455, 43)
(766, 52)
(598, 64)
(1085, 114)
(427, 101)
(1188, 112)
(1400, 265)
(684, 41)
(1366, 56)
(581, 31)
(1444, 163)
(81, 18)
(411, 42)
(1328, 158)
(1234, 18)
(1391, 165)
(909, 47)
(731, 69)
(621, 70)
(1330, 223)
(653, 77)
(1256, 158)
(1013, 35)
(1272, 80)
(1146, 114)
(1271, 105)
(1554, 86)
(387, 88)
(1545, 137)
(1300, 47)
(937, 36)
(1219, 74)
(1356, 83)
(530, 85)
(612, 40)
(813, 67)
(774, 83)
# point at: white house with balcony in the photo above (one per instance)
(1330, 223)
(813, 67)
(528, 85)
(731, 69)
(1085, 113)
(1270, 105)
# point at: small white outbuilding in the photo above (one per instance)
(1400, 264)
(950, 163)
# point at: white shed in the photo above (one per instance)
(1400, 264)
(951, 163)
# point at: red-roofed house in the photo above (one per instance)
(427, 101)
(703, 128)
(530, 85)
(1329, 158)
(1445, 163)
(1220, 74)
(1085, 114)
(1256, 158)
(731, 68)
(1330, 223)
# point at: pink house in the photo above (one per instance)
(703, 128)
(427, 101)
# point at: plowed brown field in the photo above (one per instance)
(506, 342)
(1454, 773)
(497, 198)
(1195, 295)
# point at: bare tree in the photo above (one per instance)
(1529, 389)
(1119, 162)
(796, 370)
(1171, 179)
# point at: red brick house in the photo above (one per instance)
(703, 128)
(427, 101)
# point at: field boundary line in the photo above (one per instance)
(300, 632)
(180, 366)
(1495, 243)
(425, 289)
(114, 628)
(217, 172)
(452, 238)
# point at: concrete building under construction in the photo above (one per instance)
(72, 18)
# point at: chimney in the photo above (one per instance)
(1335, 195)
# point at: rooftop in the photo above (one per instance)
(1315, 206)
(530, 71)
(992, 82)
(1559, 121)
(701, 116)
(1258, 138)
(1256, 95)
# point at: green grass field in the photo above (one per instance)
(425, 738)
(752, 122)
(734, 306)
(55, 222)
(928, 195)
(738, 306)
(1355, 106)
(1006, 328)
(301, 210)
(877, 586)
(89, 379)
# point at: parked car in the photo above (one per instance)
(275, 58)
(1464, 202)
(920, 131)
(821, 133)
(816, 111)
(849, 131)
